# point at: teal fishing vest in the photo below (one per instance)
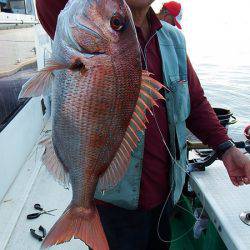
(174, 62)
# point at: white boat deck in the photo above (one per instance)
(24, 182)
(17, 49)
(224, 203)
(32, 185)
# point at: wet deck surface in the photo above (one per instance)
(50, 195)
(32, 185)
(224, 203)
(17, 46)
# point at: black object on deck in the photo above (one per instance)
(10, 88)
(224, 115)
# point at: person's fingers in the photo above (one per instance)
(234, 181)
(247, 176)
(241, 183)
(246, 180)
(239, 180)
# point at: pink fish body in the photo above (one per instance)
(99, 98)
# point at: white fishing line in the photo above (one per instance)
(170, 192)
(143, 52)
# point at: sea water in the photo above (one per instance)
(218, 43)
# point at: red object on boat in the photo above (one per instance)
(247, 132)
(175, 10)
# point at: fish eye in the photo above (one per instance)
(118, 22)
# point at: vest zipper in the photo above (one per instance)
(144, 54)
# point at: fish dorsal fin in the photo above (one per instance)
(52, 163)
(41, 83)
(148, 94)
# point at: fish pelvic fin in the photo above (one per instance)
(148, 94)
(52, 163)
(80, 223)
(41, 83)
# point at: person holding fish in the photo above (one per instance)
(123, 94)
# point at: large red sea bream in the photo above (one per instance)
(99, 98)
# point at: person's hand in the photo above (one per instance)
(237, 165)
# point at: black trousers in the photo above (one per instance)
(135, 230)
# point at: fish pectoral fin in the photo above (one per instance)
(41, 83)
(148, 94)
(53, 164)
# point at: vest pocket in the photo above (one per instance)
(180, 91)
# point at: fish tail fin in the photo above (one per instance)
(80, 223)
(41, 83)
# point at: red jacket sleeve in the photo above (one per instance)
(48, 11)
(203, 121)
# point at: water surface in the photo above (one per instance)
(218, 43)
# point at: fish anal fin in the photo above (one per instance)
(53, 164)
